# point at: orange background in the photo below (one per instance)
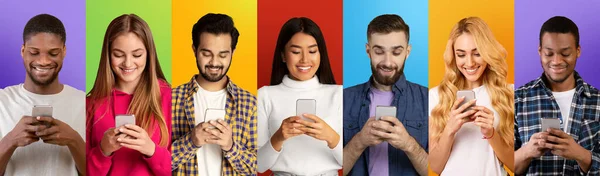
(243, 64)
(443, 15)
(272, 14)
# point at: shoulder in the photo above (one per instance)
(76, 93)
(244, 95)
(433, 92)
(355, 88)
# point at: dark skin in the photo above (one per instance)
(43, 55)
(558, 53)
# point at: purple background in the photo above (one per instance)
(14, 14)
(529, 17)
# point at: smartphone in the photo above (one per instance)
(306, 106)
(550, 123)
(381, 111)
(124, 119)
(214, 114)
(41, 110)
(468, 94)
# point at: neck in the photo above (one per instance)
(127, 87)
(52, 88)
(566, 85)
(475, 84)
(381, 87)
(212, 86)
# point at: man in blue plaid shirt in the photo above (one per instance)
(560, 93)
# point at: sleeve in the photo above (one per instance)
(242, 155)
(338, 149)
(517, 136)
(267, 155)
(97, 163)
(160, 162)
(182, 148)
(593, 143)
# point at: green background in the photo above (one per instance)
(157, 13)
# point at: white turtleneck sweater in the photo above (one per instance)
(300, 155)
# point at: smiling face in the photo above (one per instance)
(128, 58)
(558, 56)
(213, 56)
(468, 59)
(388, 52)
(43, 54)
(302, 57)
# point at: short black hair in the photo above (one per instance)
(44, 23)
(215, 24)
(386, 24)
(560, 24)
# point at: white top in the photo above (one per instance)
(300, 155)
(564, 100)
(209, 156)
(470, 154)
(40, 158)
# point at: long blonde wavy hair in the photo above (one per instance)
(494, 78)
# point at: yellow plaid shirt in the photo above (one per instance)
(241, 116)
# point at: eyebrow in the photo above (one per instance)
(297, 46)
(220, 52)
(561, 49)
(37, 49)
(461, 50)
(393, 47)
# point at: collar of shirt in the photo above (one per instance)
(581, 87)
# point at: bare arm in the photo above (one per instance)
(417, 156)
(352, 151)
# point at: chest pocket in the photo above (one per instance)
(419, 130)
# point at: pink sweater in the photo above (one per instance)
(126, 162)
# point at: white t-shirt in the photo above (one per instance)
(209, 156)
(471, 155)
(40, 158)
(300, 155)
(564, 100)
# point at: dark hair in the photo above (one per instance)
(44, 23)
(560, 24)
(289, 29)
(215, 24)
(387, 23)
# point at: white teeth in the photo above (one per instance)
(471, 70)
(41, 69)
(128, 70)
(304, 68)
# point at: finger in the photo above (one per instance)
(309, 130)
(129, 141)
(457, 102)
(135, 128)
(214, 132)
(28, 120)
(555, 139)
(558, 132)
(466, 105)
(130, 146)
(385, 126)
(292, 118)
(130, 132)
(312, 117)
(218, 126)
(393, 120)
(466, 114)
(54, 136)
(306, 123)
(295, 131)
(381, 134)
(483, 109)
(225, 124)
(48, 131)
(49, 120)
(31, 128)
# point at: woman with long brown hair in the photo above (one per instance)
(475, 138)
(129, 82)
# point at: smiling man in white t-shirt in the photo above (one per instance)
(42, 145)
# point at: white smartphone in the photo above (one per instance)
(124, 119)
(306, 106)
(381, 111)
(550, 123)
(468, 94)
(41, 110)
(214, 114)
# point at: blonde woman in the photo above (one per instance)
(479, 140)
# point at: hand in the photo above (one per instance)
(139, 140)
(24, 132)
(109, 143)
(289, 128)
(57, 132)
(320, 130)
(223, 134)
(393, 131)
(366, 135)
(562, 144)
(200, 135)
(484, 118)
(458, 117)
(535, 147)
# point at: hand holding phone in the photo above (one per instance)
(41, 111)
(124, 119)
(213, 114)
(381, 111)
(306, 106)
(550, 123)
(469, 95)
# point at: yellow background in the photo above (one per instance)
(444, 14)
(187, 12)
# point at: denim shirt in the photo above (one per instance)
(410, 100)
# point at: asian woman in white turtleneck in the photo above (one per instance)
(289, 145)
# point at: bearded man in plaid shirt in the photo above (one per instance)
(562, 94)
(202, 146)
